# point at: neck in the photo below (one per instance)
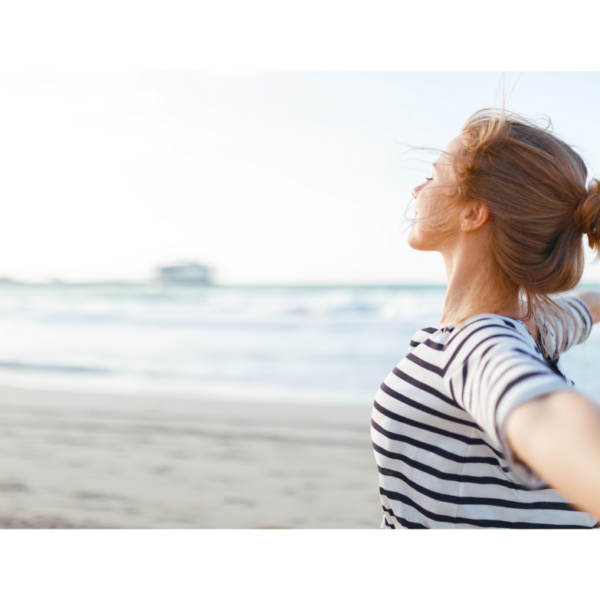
(473, 282)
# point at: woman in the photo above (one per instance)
(478, 426)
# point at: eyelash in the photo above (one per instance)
(429, 178)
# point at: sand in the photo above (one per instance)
(82, 460)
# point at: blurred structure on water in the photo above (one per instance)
(186, 273)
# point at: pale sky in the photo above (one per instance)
(266, 177)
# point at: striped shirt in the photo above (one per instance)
(438, 428)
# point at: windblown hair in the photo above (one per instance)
(534, 185)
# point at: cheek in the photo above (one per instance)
(426, 199)
(423, 235)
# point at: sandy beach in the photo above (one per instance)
(82, 460)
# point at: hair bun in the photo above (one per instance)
(587, 214)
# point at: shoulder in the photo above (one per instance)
(484, 327)
(473, 332)
(486, 336)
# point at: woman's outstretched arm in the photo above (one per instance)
(558, 438)
(592, 299)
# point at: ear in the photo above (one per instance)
(475, 216)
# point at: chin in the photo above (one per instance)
(413, 241)
(417, 243)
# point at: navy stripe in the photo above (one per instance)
(482, 480)
(581, 303)
(486, 364)
(587, 327)
(474, 500)
(491, 384)
(466, 359)
(511, 385)
(465, 372)
(452, 391)
(466, 339)
(423, 407)
(487, 339)
(435, 345)
(586, 309)
(492, 372)
(442, 371)
(403, 522)
(424, 387)
(476, 522)
(443, 432)
(442, 347)
(540, 360)
(488, 460)
(425, 365)
(429, 330)
(520, 351)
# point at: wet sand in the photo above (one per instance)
(82, 460)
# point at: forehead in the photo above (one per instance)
(454, 148)
(455, 145)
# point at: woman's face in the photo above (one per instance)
(433, 199)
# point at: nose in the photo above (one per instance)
(417, 190)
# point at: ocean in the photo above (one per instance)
(329, 345)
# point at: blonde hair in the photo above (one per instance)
(534, 185)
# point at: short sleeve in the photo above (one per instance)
(566, 328)
(493, 370)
